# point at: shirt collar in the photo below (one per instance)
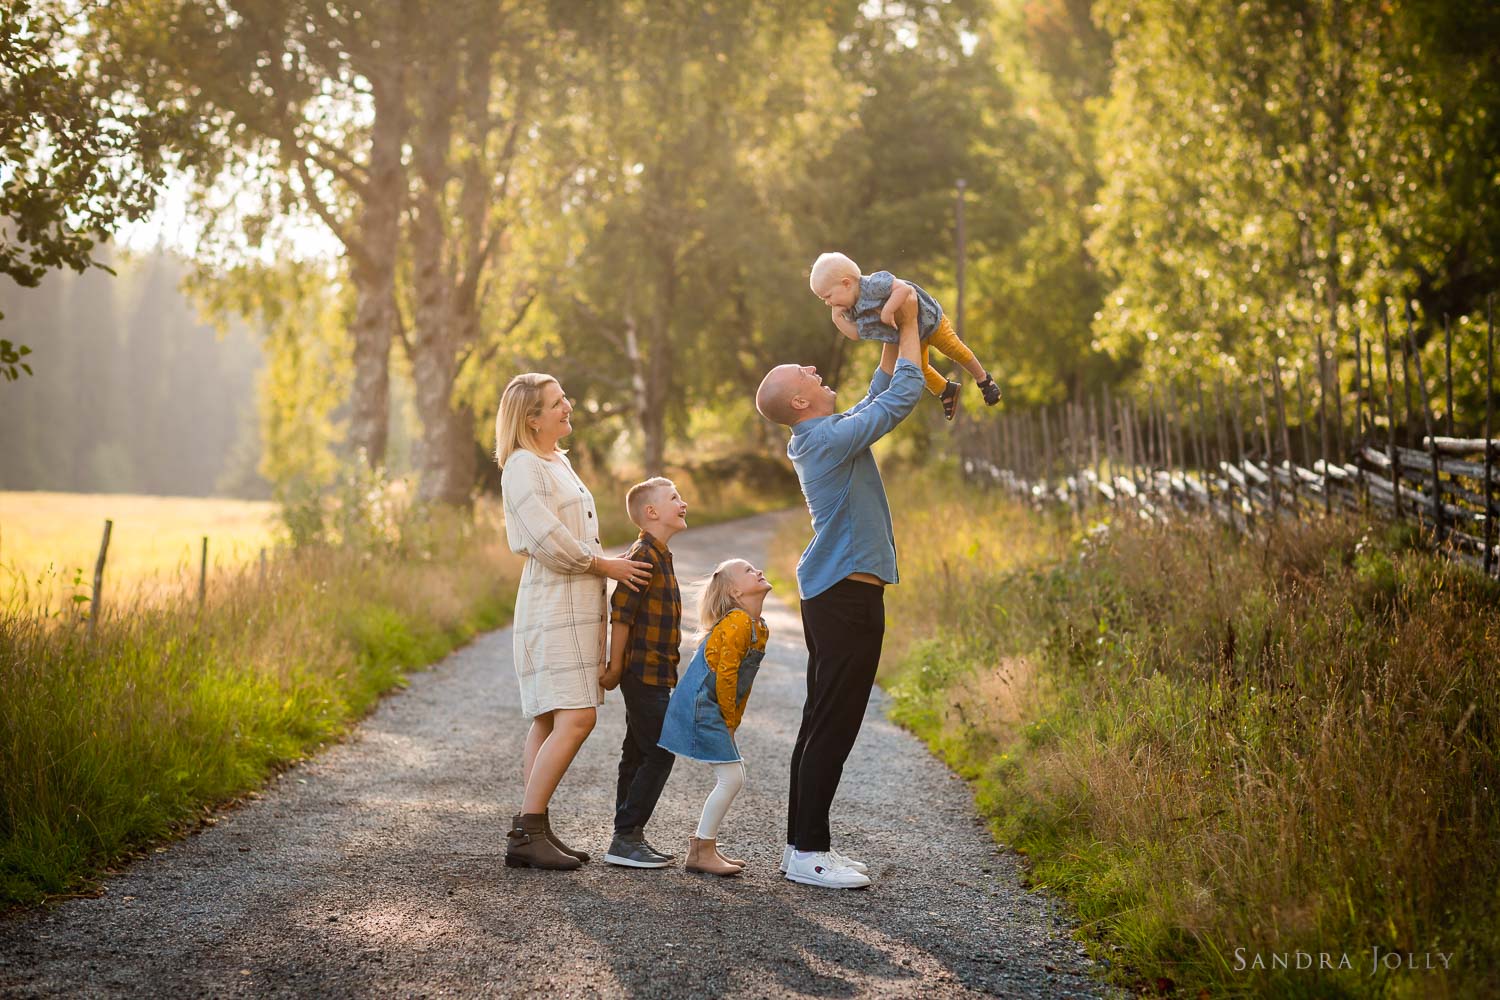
(655, 544)
(807, 425)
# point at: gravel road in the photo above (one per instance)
(376, 868)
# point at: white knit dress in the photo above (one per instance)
(560, 622)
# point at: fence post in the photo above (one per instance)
(1408, 424)
(1390, 410)
(1448, 372)
(1140, 458)
(1111, 456)
(1286, 436)
(99, 577)
(1200, 449)
(1047, 462)
(1328, 375)
(1359, 389)
(1164, 436)
(203, 574)
(1489, 433)
(1323, 430)
(1149, 443)
(1302, 421)
(1265, 434)
(1370, 382)
(1239, 446)
(1223, 451)
(1094, 458)
(1437, 485)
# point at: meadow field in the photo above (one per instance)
(49, 542)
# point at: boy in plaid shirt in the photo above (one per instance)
(644, 647)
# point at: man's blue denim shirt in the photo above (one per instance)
(850, 515)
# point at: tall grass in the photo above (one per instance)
(1219, 749)
(110, 742)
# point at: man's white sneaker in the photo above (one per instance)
(820, 869)
(858, 866)
(839, 859)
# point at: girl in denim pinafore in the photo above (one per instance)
(709, 700)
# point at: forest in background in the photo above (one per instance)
(134, 392)
(629, 193)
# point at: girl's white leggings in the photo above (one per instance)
(728, 780)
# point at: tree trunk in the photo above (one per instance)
(372, 269)
(445, 447)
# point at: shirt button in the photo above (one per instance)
(591, 513)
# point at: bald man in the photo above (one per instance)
(842, 577)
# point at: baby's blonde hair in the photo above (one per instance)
(830, 268)
(521, 400)
(716, 601)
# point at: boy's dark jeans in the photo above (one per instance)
(644, 766)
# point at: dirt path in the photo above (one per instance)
(376, 869)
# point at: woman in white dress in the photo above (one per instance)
(560, 621)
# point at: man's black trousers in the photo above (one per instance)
(844, 627)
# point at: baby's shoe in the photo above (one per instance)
(990, 389)
(949, 400)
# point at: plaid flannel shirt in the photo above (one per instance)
(654, 614)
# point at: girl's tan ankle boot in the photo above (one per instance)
(703, 856)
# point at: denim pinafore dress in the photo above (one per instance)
(694, 726)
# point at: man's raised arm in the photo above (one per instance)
(894, 392)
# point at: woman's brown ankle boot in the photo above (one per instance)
(557, 841)
(527, 846)
(726, 858)
(703, 856)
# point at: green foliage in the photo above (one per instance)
(77, 156)
(1276, 170)
(133, 392)
(11, 365)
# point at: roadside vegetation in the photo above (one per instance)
(113, 741)
(1217, 749)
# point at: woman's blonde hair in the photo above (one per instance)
(716, 601)
(521, 400)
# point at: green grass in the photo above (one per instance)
(1281, 746)
(111, 743)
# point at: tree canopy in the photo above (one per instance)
(629, 193)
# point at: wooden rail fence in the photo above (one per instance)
(1196, 448)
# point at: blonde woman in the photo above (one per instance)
(560, 625)
(709, 701)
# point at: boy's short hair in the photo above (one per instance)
(643, 493)
(829, 268)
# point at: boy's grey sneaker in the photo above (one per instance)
(631, 850)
